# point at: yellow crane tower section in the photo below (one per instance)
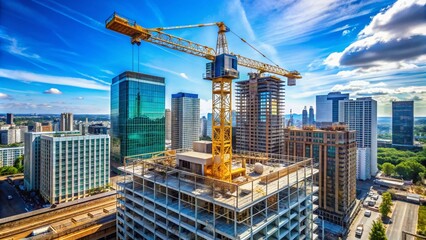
(222, 70)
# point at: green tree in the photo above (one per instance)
(377, 231)
(385, 206)
(8, 170)
(18, 164)
(388, 169)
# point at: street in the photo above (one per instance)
(10, 207)
(404, 217)
(367, 221)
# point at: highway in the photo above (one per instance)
(404, 217)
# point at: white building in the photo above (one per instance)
(185, 119)
(168, 125)
(361, 115)
(9, 136)
(9, 155)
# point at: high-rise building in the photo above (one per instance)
(185, 119)
(24, 129)
(403, 123)
(171, 198)
(98, 128)
(72, 165)
(168, 125)
(311, 119)
(137, 115)
(334, 149)
(260, 110)
(9, 118)
(327, 107)
(209, 125)
(361, 115)
(46, 127)
(305, 117)
(67, 122)
(9, 155)
(9, 136)
(203, 126)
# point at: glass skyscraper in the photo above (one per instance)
(403, 123)
(328, 107)
(137, 115)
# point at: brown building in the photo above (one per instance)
(334, 149)
(46, 127)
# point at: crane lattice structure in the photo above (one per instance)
(221, 71)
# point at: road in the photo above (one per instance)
(404, 217)
(366, 221)
(10, 207)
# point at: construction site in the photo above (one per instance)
(212, 191)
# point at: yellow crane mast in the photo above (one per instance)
(221, 71)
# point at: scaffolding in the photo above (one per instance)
(156, 199)
(260, 112)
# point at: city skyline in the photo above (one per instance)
(52, 70)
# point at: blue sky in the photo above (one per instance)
(57, 56)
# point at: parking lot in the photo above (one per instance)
(10, 207)
(404, 217)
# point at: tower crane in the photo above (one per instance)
(222, 69)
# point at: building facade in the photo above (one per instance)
(260, 110)
(98, 128)
(361, 115)
(11, 135)
(168, 125)
(328, 107)
(67, 122)
(334, 149)
(305, 121)
(137, 115)
(203, 127)
(311, 118)
(72, 166)
(9, 155)
(9, 118)
(403, 123)
(209, 125)
(185, 119)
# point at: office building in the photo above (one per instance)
(170, 197)
(24, 129)
(9, 136)
(168, 125)
(260, 111)
(305, 117)
(361, 115)
(185, 119)
(203, 126)
(328, 108)
(403, 123)
(137, 115)
(9, 155)
(9, 118)
(73, 165)
(67, 122)
(98, 128)
(46, 127)
(311, 118)
(209, 125)
(334, 149)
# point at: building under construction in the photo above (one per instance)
(168, 196)
(260, 111)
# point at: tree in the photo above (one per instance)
(8, 170)
(377, 231)
(18, 164)
(388, 168)
(385, 206)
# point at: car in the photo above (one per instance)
(367, 213)
(371, 203)
(9, 197)
(375, 197)
(359, 230)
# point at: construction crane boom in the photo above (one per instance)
(156, 36)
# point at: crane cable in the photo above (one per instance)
(242, 39)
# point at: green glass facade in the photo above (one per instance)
(137, 115)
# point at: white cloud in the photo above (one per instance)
(52, 91)
(80, 98)
(107, 71)
(397, 36)
(58, 80)
(345, 32)
(14, 47)
(4, 96)
(183, 75)
(205, 106)
(352, 86)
